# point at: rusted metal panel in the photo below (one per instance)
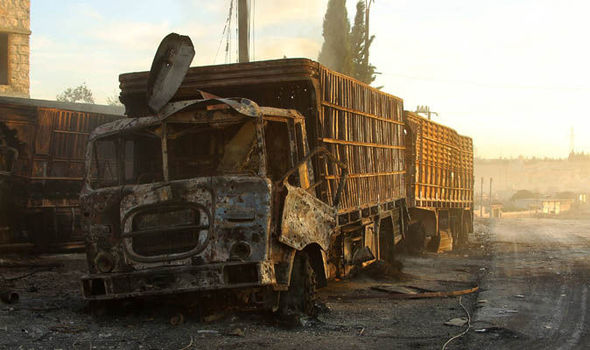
(441, 165)
(306, 220)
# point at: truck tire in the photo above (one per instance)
(302, 295)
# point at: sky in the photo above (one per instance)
(512, 74)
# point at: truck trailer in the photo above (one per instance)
(440, 183)
(42, 146)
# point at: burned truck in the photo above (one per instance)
(42, 147)
(269, 194)
(440, 183)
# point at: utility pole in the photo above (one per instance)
(491, 197)
(425, 110)
(572, 141)
(481, 199)
(243, 31)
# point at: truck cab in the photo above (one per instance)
(207, 195)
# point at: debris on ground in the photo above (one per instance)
(457, 322)
(379, 269)
(389, 288)
(237, 332)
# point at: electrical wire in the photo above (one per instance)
(253, 30)
(228, 40)
(462, 333)
(237, 12)
(223, 34)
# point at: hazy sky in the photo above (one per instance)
(513, 74)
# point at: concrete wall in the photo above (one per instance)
(15, 22)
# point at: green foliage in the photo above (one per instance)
(360, 45)
(346, 50)
(80, 93)
(335, 53)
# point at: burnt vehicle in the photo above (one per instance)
(207, 194)
(202, 199)
(440, 183)
(42, 188)
(199, 193)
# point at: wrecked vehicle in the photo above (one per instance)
(440, 183)
(199, 193)
(207, 199)
(40, 210)
(208, 194)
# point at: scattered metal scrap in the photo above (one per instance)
(411, 293)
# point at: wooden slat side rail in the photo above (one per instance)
(443, 165)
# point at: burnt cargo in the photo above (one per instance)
(440, 179)
(41, 185)
(361, 125)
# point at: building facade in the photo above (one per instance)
(15, 31)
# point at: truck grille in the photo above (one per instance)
(168, 231)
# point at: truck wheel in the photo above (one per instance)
(301, 296)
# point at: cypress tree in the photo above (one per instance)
(335, 53)
(361, 68)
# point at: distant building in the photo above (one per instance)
(15, 30)
(556, 206)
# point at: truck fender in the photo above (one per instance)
(306, 220)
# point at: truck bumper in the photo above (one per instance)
(180, 279)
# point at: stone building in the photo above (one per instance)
(14, 47)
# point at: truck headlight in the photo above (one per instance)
(240, 251)
(105, 262)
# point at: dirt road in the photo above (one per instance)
(535, 290)
(534, 276)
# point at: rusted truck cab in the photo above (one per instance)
(207, 195)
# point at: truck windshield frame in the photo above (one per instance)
(190, 149)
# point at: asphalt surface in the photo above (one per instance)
(535, 287)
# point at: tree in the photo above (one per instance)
(360, 42)
(335, 53)
(80, 93)
(114, 100)
(346, 50)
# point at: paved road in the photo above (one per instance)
(535, 291)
